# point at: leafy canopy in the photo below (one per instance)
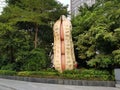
(96, 34)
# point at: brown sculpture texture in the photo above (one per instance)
(64, 58)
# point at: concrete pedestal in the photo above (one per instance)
(117, 75)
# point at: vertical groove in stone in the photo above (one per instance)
(62, 43)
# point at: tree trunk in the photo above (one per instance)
(36, 36)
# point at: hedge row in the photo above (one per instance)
(84, 74)
(8, 72)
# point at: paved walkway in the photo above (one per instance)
(6, 84)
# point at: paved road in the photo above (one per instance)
(21, 85)
(5, 88)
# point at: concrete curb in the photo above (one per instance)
(62, 81)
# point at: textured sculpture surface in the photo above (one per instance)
(64, 58)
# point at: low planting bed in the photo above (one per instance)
(84, 77)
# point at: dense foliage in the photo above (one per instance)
(26, 33)
(96, 32)
(26, 37)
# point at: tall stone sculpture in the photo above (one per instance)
(64, 58)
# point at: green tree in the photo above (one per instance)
(95, 32)
(12, 42)
(33, 12)
(26, 33)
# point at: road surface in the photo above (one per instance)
(6, 84)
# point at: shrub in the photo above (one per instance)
(116, 55)
(88, 74)
(51, 70)
(101, 61)
(75, 71)
(36, 61)
(38, 73)
(8, 67)
(24, 73)
(7, 72)
(84, 74)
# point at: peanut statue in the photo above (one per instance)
(64, 58)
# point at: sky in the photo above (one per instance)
(65, 2)
(2, 4)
